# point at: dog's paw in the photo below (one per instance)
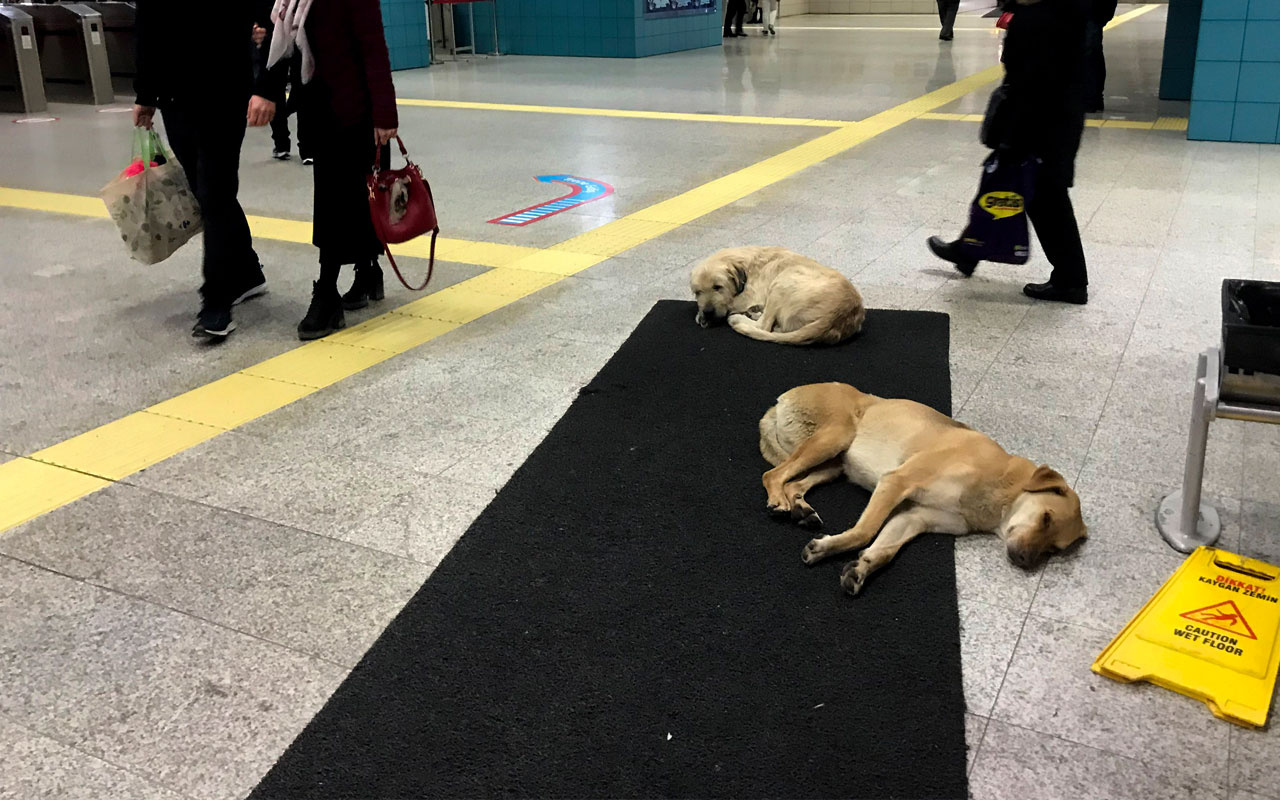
(852, 578)
(803, 515)
(814, 551)
(755, 313)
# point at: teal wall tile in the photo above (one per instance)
(1256, 122)
(1216, 80)
(1259, 83)
(1264, 9)
(1220, 40)
(1211, 121)
(1226, 9)
(1262, 39)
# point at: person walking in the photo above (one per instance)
(349, 102)
(734, 11)
(206, 90)
(768, 12)
(947, 10)
(1043, 57)
(1096, 63)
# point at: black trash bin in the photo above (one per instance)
(1251, 326)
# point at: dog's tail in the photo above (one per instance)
(820, 331)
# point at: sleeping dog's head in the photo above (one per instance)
(1044, 519)
(715, 282)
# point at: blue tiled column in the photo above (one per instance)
(405, 24)
(595, 28)
(1181, 31)
(1235, 96)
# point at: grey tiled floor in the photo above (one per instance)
(169, 636)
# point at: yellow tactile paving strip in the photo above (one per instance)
(623, 113)
(459, 251)
(48, 479)
(1160, 124)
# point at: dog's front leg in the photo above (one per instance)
(900, 529)
(889, 493)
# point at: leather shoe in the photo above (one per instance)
(1077, 295)
(947, 251)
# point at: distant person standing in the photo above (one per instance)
(734, 12)
(1044, 74)
(291, 79)
(349, 102)
(1096, 64)
(947, 10)
(196, 66)
(768, 11)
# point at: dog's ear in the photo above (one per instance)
(1045, 479)
(739, 274)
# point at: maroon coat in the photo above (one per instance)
(351, 59)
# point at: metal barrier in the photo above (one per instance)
(118, 30)
(470, 49)
(21, 87)
(73, 53)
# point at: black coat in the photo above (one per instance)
(199, 54)
(1044, 62)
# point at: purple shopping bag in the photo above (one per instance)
(997, 228)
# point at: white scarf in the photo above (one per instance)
(290, 19)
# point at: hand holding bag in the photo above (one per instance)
(402, 208)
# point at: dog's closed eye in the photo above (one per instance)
(717, 287)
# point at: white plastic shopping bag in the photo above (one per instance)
(151, 202)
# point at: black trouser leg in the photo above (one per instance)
(207, 143)
(280, 125)
(735, 10)
(947, 10)
(1054, 219)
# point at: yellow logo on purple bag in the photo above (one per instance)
(1002, 204)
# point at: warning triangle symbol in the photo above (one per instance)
(1224, 616)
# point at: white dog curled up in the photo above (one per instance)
(775, 295)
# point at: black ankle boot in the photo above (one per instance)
(324, 316)
(367, 286)
(948, 251)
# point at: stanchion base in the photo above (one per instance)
(1169, 519)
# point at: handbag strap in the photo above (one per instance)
(377, 154)
(431, 264)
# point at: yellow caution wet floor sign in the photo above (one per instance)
(1210, 633)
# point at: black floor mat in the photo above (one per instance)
(625, 621)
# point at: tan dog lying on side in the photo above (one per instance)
(926, 473)
(775, 295)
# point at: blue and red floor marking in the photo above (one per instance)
(584, 190)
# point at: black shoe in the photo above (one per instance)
(367, 286)
(214, 324)
(1077, 295)
(946, 36)
(730, 35)
(324, 316)
(254, 285)
(948, 251)
(307, 161)
(281, 155)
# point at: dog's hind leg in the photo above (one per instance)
(826, 443)
(900, 529)
(801, 511)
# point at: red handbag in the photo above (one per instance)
(1005, 19)
(402, 208)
